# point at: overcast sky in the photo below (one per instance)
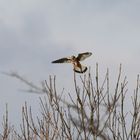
(35, 32)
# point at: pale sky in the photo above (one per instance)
(35, 32)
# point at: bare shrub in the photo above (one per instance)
(93, 113)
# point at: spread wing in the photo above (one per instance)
(83, 56)
(62, 60)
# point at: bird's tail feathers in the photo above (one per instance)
(81, 69)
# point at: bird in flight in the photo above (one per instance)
(77, 67)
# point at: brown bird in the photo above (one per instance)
(77, 67)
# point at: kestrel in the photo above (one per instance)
(77, 67)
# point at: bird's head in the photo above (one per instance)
(72, 57)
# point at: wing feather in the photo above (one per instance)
(62, 60)
(83, 56)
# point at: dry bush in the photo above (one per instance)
(93, 113)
